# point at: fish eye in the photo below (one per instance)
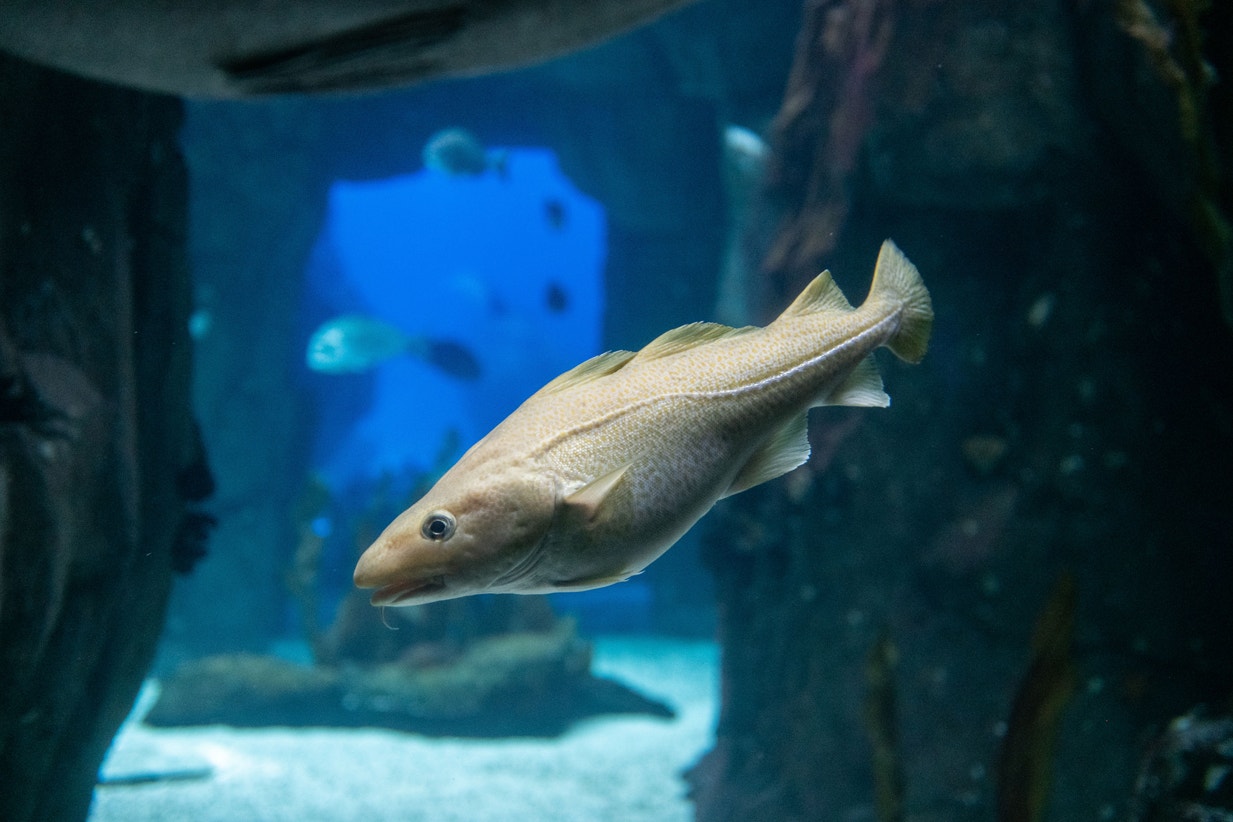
(438, 526)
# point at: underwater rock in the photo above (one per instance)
(1187, 772)
(978, 124)
(239, 48)
(245, 690)
(976, 101)
(96, 434)
(512, 684)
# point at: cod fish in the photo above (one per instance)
(604, 468)
(457, 152)
(242, 48)
(354, 343)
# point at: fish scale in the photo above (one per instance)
(604, 468)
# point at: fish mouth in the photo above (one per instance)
(399, 593)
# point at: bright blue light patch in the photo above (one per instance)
(511, 266)
(322, 527)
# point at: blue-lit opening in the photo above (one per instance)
(508, 263)
(511, 265)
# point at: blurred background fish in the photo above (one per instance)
(744, 171)
(354, 343)
(556, 298)
(555, 213)
(459, 153)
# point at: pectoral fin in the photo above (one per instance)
(587, 583)
(590, 500)
(786, 449)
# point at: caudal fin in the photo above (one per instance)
(896, 281)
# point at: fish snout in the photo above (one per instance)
(379, 567)
(368, 573)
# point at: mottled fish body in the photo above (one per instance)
(603, 469)
(243, 48)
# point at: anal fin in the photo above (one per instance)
(862, 388)
(785, 449)
(589, 583)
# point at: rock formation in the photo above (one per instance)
(99, 456)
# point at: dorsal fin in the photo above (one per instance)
(686, 337)
(598, 366)
(820, 295)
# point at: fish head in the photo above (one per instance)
(327, 349)
(474, 532)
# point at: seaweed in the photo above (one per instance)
(301, 577)
(882, 724)
(1025, 765)
(1174, 49)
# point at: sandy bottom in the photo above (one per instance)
(608, 768)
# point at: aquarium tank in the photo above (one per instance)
(634, 410)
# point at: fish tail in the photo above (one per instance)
(896, 281)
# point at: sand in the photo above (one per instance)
(608, 768)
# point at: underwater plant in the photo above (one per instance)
(1025, 764)
(881, 721)
(1174, 49)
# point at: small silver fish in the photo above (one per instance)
(604, 468)
(242, 48)
(459, 153)
(354, 343)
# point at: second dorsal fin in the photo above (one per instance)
(686, 337)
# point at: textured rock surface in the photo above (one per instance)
(1071, 310)
(96, 440)
(521, 683)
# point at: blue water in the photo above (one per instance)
(480, 260)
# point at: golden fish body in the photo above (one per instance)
(604, 468)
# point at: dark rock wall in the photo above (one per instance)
(1078, 327)
(96, 437)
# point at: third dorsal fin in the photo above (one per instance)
(820, 295)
